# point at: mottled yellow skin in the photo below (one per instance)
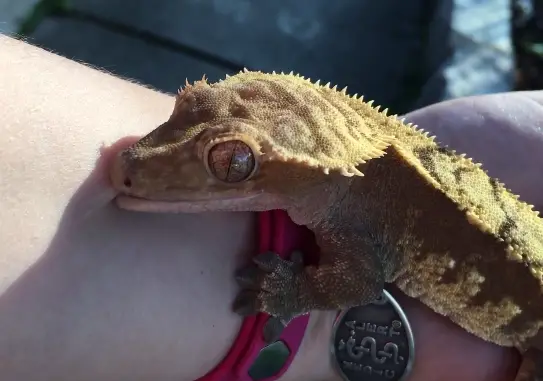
(385, 201)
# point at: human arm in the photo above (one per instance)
(87, 291)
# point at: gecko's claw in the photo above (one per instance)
(271, 285)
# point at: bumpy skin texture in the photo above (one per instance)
(385, 201)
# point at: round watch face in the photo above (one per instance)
(373, 342)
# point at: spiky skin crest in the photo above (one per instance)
(386, 202)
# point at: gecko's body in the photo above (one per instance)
(385, 201)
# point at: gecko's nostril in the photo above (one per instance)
(127, 182)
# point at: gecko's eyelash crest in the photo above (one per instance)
(231, 161)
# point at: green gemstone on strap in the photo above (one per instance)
(270, 360)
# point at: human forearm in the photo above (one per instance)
(55, 116)
(88, 292)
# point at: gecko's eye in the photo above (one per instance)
(231, 161)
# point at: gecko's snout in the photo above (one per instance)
(120, 180)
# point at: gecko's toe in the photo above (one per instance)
(270, 285)
(297, 258)
(267, 261)
(270, 261)
(247, 303)
(248, 278)
(273, 329)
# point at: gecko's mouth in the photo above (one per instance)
(217, 204)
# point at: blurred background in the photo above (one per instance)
(404, 54)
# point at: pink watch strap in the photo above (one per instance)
(279, 234)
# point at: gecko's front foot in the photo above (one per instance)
(271, 285)
(285, 288)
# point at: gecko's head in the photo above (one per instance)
(250, 142)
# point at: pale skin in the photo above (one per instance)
(90, 292)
